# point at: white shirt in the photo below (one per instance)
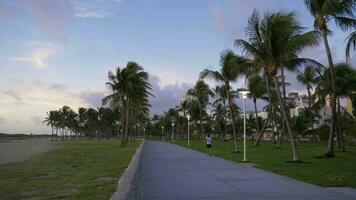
(209, 140)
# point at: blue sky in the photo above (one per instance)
(56, 52)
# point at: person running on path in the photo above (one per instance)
(209, 142)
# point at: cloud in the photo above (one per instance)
(2, 120)
(230, 17)
(167, 96)
(58, 87)
(51, 17)
(37, 120)
(85, 13)
(26, 101)
(13, 94)
(37, 57)
(93, 98)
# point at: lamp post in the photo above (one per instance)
(244, 97)
(188, 117)
(144, 132)
(162, 133)
(173, 131)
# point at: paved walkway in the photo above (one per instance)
(172, 172)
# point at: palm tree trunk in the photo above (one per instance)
(311, 114)
(52, 132)
(330, 150)
(125, 135)
(256, 114)
(342, 139)
(284, 98)
(232, 118)
(268, 114)
(286, 121)
(201, 120)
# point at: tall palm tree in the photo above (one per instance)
(130, 88)
(231, 68)
(201, 93)
(257, 88)
(342, 13)
(50, 121)
(220, 99)
(307, 77)
(82, 120)
(351, 42)
(345, 78)
(275, 41)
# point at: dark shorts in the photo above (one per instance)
(208, 145)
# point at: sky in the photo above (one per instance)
(58, 52)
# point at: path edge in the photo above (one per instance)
(126, 188)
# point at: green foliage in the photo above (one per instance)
(76, 170)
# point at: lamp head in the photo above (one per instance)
(244, 93)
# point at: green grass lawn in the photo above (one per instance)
(75, 170)
(339, 171)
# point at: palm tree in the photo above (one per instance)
(257, 89)
(92, 122)
(201, 93)
(342, 13)
(308, 76)
(50, 121)
(351, 41)
(219, 114)
(220, 99)
(130, 88)
(345, 78)
(82, 120)
(276, 41)
(231, 68)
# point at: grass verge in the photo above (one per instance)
(336, 172)
(76, 170)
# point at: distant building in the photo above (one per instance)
(349, 107)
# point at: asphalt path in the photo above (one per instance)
(171, 172)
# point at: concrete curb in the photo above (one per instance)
(126, 188)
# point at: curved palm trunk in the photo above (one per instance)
(201, 119)
(330, 150)
(256, 114)
(342, 139)
(286, 121)
(225, 121)
(268, 114)
(311, 114)
(284, 101)
(124, 137)
(232, 118)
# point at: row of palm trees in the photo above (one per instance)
(86, 122)
(274, 44)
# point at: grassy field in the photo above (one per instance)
(339, 171)
(75, 170)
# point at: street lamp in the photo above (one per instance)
(162, 133)
(188, 117)
(244, 93)
(144, 132)
(172, 130)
